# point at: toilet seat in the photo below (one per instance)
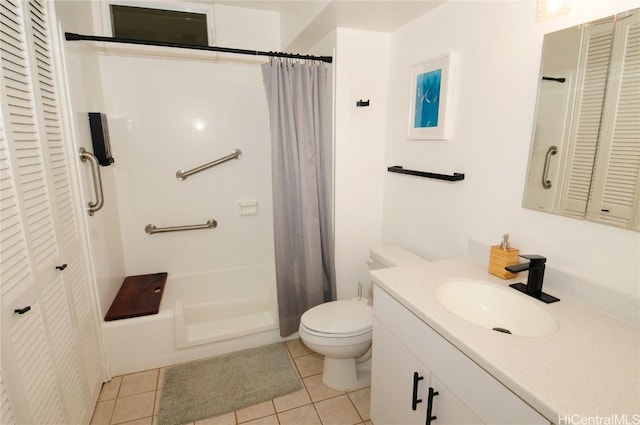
(340, 319)
(335, 335)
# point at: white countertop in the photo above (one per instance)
(590, 367)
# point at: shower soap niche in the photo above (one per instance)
(138, 296)
(248, 207)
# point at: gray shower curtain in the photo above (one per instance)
(301, 157)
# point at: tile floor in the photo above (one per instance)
(134, 399)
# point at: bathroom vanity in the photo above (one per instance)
(432, 366)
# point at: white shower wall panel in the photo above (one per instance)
(167, 114)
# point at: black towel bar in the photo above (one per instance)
(447, 177)
(556, 79)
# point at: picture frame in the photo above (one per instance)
(431, 94)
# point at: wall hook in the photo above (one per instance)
(362, 102)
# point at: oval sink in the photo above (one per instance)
(496, 308)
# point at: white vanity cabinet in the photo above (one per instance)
(404, 345)
(402, 386)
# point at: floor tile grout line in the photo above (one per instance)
(355, 407)
(113, 409)
(273, 405)
(119, 398)
(155, 398)
(313, 403)
(115, 402)
(276, 413)
(317, 413)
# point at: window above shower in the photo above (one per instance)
(164, 21)
(143, 23)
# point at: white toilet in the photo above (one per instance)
(341, 330)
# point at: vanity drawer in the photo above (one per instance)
(491, 401)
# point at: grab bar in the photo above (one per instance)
(182, 175)
(546, 183)
(97, 181)
(151, 229)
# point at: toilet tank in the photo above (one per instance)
(392, 256)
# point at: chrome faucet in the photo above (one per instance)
(533, 288)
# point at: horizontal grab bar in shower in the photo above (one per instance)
(182, 175)
(151, 229)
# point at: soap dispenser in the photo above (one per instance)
(502, 256)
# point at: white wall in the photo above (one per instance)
(297, 16)
(171, 113)
(500, 47)
(146, 123)
(244, 28)
(361, 73)
(85, 95)
(360, 67)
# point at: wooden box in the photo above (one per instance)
(500, 258)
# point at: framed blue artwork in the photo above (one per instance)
(431, 98)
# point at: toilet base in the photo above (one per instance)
(346, 374)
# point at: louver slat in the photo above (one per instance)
(36, 369)
(15, 272)
(586, 126)
(83, 317)
(35, 193)
(6, 410)
(47, 97)
(622, 173)
(63, 348)
(21, 128)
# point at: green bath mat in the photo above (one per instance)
(221, 384)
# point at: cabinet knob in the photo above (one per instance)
(415, 400)
(62, 267)
(432, 394)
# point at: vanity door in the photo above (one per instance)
(403, 389)
(404, 344)
(399, 381)
(446, 408)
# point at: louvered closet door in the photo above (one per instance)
(50, 353)
(6, 407)
(75, 275)
(590, 92)
(26, 357)
(616, 191)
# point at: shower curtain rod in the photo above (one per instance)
(69, 36)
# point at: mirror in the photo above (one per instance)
(584, 160)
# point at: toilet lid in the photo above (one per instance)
(339, 317)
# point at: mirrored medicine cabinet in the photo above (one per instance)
(584, 160)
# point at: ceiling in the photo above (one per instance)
(280, 6)
(371, 15)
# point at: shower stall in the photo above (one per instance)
(169, 111)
